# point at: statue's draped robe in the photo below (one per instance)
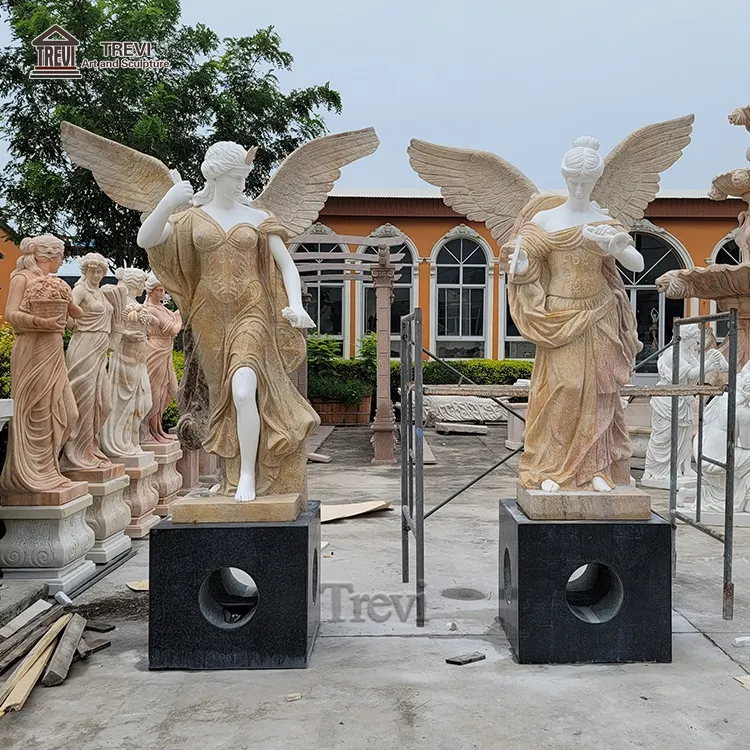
(227, 286)
(572, 304)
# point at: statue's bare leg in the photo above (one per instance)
(244, 394)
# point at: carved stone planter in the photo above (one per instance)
(339, 414)
(48, 543)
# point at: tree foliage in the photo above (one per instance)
(214, 90)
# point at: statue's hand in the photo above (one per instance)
(179, 194)
(298, 317)
(518, 263)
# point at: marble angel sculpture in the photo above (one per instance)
(658, 452)
(222, 257)
(128, 377)
(565, 292)
(45, 409)
(163, 326)
(86, 360)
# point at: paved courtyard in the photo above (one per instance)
(386, 684)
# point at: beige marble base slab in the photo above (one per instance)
(104, 474)
(206, 507)
(621, 504)
(163, 449)
(60, 496)
(137, 461)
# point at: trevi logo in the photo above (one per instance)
(56, 51)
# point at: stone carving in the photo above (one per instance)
(461, 230)
(385, 230)
(192, 396)
(163, 326)
(45, 409)
(222, 258)
(658, 452)
(108, 516)
(86, 360)
(128, 377)
(565, 292)
(461, 409)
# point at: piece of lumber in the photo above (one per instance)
(99, 626)
(32, 656)
(462, 659)
(15, 701)
(98, 645)
(25, 617)
(82, 649)
(43, 621)
(25, 645)
(58, 667)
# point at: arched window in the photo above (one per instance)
(325, 299)
(654, 311)
(461, 276)
(402, 302)
(728, 254)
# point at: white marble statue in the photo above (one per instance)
(713, 486)
(222, 258)
(565, 292)
(130, 390)
(658, 452)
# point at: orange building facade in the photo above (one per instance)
(452, 270)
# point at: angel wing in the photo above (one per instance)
(130, 178)
(475, 184)
(299, 189)
(632, 169)
(116, 297)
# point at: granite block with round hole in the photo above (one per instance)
(585, 591)
(234, 595)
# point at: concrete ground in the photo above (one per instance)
(386, 684)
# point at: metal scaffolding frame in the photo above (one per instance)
(413, 390)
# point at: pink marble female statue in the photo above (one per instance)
(87, 366)
(45, 408)
(163, 326)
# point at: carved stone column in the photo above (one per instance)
(167, 479)
(108, 516)
(384, 426)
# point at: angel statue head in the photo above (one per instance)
(94, 268)
(43, 254)
(581, 167)
(225, 167)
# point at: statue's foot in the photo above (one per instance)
(549, 485)
(245, 489)
(601, 485)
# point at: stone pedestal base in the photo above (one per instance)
(108, 517)
(620, 504)
(585, 591)
(207, 507)
(48, 543)
(141, 496)
(234, 596)
(167, 480)
(516, 428)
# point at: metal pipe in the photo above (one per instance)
(473, 482)
(701, 406)
(701, 318)
(652, 356)
(714, 462)
(419, 465)
(673, 445)
(700, 526)
(728, 593)
(405, 450)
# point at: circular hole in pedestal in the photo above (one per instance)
(507, 579)
(594, 593)
(228, 598)
(315, 577)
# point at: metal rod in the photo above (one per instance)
(714, 462)
(408, 520)
(419, 466)
(405, 450)
(728, 593)
(700, 526)
(701, 406)
(472, 482)
(673, 445)
(701, 318)
(502, 404)
(652, 356)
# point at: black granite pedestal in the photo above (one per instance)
(203, 618)
(585, 591)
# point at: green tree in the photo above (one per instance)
(214, 90)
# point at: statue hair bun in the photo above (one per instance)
(587, 141)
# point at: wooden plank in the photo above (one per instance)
(98, 645)
(82, 650)
(48, 638)
(25, 617)
(17, 698)
(43, 621)
(58, 668)
(99, 626)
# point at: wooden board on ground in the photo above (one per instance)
(99, 626)
(15, 701)
(48, 638)
(349, 510)
(25, 617)
(58, 667)
(43, 621)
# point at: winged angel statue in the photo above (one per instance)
(565, 292)
(222, 258)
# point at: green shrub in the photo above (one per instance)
(171, 416)
(368, 356)
(322, 352)
(178, 360)
(7, 337)
(333, 387)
